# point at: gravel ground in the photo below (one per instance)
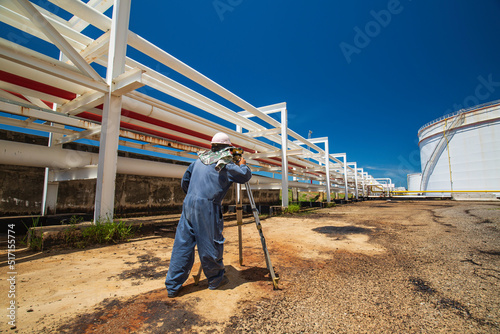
(440, 273)
(367, 267)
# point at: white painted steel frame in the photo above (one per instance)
(326, 160)
(355, 166)
(387, 182)
(124, 75)
(344, 166)
(108, 147)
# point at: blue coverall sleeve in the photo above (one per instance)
(187, 178)
(238, 174)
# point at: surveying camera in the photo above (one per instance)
(237, 152)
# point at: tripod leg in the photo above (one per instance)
(239, 220)
(269, 264)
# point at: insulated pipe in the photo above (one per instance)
(160, 111)
(106, 21)
(183, 116)
(38, 55)
(104, 24)
(170, 114)
(22, 154)
(20, 61)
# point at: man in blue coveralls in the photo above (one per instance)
(205, 182)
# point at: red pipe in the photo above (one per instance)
(35, 85)
(125, 125)
(38, 86)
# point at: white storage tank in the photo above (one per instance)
(461, 151)
(413, 182)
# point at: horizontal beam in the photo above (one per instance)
(89, 100)
(79, 135)
(44, 114)
(29, 124)
(318, 140)
(278, 107)
(263, 133)
(127, 82)
(272, 154)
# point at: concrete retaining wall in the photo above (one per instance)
(21, 191)
(21, 188)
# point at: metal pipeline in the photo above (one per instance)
(22, 154)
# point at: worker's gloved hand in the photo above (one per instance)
(242, 161)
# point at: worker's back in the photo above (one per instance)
(203, 181)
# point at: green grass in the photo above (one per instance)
(31, 240)
(108, 231)
(102, 232)
(292, 208)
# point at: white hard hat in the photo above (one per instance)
(221, 138)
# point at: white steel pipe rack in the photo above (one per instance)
(68, 99)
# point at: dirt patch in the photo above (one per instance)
(365, 267)
(150, 312)
(340, 232)
(421, 285)
(148, 269)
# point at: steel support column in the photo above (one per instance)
(360, 171)
(327, 167)
(388, 183)
(327, 163)
(284, 158)
(344, 156)
(365, 179)
(45, 193)
(108, 147)
(355, 165)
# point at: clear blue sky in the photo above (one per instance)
(367, 74)
(417, 61)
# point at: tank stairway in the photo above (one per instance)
(448, 134)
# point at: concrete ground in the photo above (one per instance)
(368, 267)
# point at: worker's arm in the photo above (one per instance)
(187, 178)
(239, 172)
